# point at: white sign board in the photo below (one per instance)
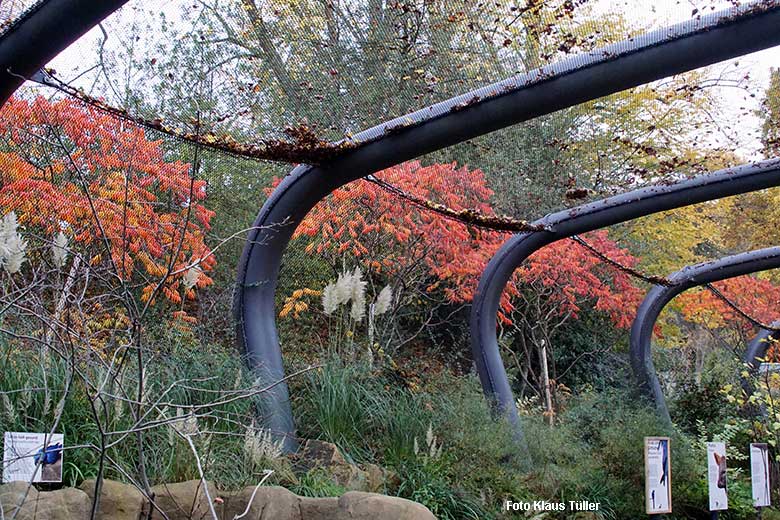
(658, 476)
(716, 475)
(32, 457)
(759, 474)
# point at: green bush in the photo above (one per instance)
(202, 374)
(426, 482)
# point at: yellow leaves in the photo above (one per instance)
(146, 293)
(294, 307)
(673, 239)
(299, 293)
(293, 304)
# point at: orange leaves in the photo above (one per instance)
(294, 303)
(73, 165)
(389, 235)
(172, 294)
(759, 297)
(572, 276)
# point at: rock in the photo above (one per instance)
(348, 476)
(319, 508)
(320, 454)
(356, 505)
(63, 504)
(277, 503)
(187, 501)
(118, 501)
(376, 477)
(182, 501)
(269, 503)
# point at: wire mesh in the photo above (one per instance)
(424, 229)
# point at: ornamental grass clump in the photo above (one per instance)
(344, 302)
(260, 446)
(12, 245)
(59, 250)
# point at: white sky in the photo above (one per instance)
(745, 125)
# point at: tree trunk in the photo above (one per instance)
(548, 404)
(62, 300)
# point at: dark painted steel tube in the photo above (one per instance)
(658, 297)
(42, 33)
(585, 218)
(643, 59)
(754, 355)
(759, 345)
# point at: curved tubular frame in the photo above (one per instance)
(43, 32)
(658, 297)
(758, 346)
(581, 219)
(756, 352)
(653, 56)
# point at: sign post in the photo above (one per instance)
(32, 457)
(716, 477)
(658, 476)
(759, 475)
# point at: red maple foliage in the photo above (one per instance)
(390, 235)
(65, 165)
(758, 297)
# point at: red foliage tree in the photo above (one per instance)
(389, 235)
(64, 165)
(758, 297)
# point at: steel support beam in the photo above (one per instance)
(42, 33)
(658, 297)
(758, 346)
(585, 218)
(700, 42)
(755, 353)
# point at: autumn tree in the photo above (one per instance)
(106, 186)
(550, 290)
(770, 113)
(109, 225)
(242, 69)
(757, 296)
(431, 263)
(751, 222)
(428, 258)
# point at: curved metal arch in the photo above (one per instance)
(759, 345)
(658, 297)
(41, 33)
(756, 351)
(704, 41)
(581, 219)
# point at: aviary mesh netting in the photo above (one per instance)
(282, 81)
(133, 166)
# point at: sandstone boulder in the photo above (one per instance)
(187, 501)
(182, 501)
(355, 505)
(63, 504)
(263, 503)
(280, 504)
(320, 454)
(316, 453)
(118, 501)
